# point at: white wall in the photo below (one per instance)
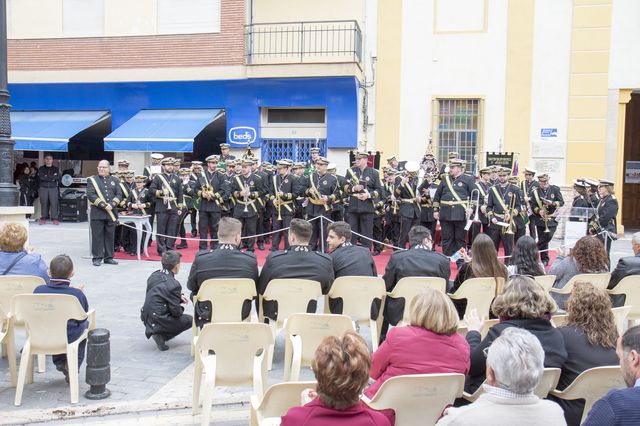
(550, 87)
(624, 59)
(469, 64)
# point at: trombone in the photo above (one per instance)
(545, 218)
(473, 199)
(508, 230)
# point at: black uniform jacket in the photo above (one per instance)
(49, 177)
(139, 197)
(607, 212)
(450, 206)
(349, 260)
(538, 195)
(284, 184)
(158, 184)
(162, 305)
(256, 191)
(218, 184)
(405, 197)
(107, 193)
(326, 185)
(370, 179)
(502, 200)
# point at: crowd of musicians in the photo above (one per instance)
(379, 207)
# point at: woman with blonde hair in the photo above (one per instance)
(430, 344)
(589, 338)
(15, 257)
(524, 304)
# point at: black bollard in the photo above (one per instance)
(98, 372)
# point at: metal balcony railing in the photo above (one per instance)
(295, 42)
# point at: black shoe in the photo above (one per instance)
(116, 249)
(64, 368)
(260, 246)
(97, 262)
(110, 262)
(160, 342)
(273, 249)
(182, 246)
(194, 234)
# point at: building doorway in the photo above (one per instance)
(631, 190)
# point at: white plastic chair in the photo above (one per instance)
(546, 281)
(547, 383)
(7, 340)
(358, 294)
(304, 333)
(238, 359)
(276, 401)
(591, 385)
(410, 287)
(598, 280)
(417, 399)
(620, 315)
(630, 286)
(45, 317)
(293, 297)
(479, 293)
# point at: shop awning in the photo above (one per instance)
(163, 130)
(51, 130)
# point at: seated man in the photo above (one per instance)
(297, 262)
(61, 271)
(348, 260)
(515, 365)
(162, 313)
(627, 265)
(227, 261)
(622, 406)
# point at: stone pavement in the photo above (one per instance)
(147, 385)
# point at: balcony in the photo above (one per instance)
(303, 42)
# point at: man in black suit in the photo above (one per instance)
(627, 266)
(227, 261)
(348, 260)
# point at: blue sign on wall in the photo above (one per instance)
(242, 135)
(549, 132)
(241, 99)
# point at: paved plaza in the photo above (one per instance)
(147, 386)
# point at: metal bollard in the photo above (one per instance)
(98, 372)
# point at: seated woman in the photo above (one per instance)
(524, 304)
(429, 345)
(589, 339)
(15, 257)
(341, 367)
(525, 259)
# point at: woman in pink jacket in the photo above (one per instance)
(429, 345)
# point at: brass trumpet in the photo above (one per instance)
(508, 230)
(545, 218)
(246, 198)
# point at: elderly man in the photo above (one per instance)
(514, 369)
(627, 265)
(622, 406)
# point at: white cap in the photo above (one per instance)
(155, 156)
(331, 166)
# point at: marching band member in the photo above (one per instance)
(321, 193)
(604, 224)
(310, 166)
(167, 191)
(527, 185)
(503, 205)
(282, 196)
(188, 194)
(520, 219)
(546, 199)
(246, 189)
(196, 170)
(300, 185)
(225, 157)
(261, 204)
(406, 194)
(212, 191)
(481, 223)
(395, 164)
(138, 203)
(426, 205)
(337, 214)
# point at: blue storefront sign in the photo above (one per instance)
(242, 135)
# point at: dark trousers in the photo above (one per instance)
(544, 238)
(208, 225)
(248, 228)
(193, 213)
(520, 232)
(319, 232)
(362, 223)
(497, 236)
(532, 227)
(267, 225)
(453, 235)
(181, 324)
(182, 232)
(378, 233)
(337, 215)
(406, 223)
(277, 225)
(102, 236)
(60, 360)
(49, 203)
(431, 226)
(260, 226)
(168, 222)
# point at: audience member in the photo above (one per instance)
(484, 262)
(629, 265)
(15, 257)
(515, 365)
(227, 261)
(621, 407)
(163, 314)
(589, 338)
(525, 259)
(341, 367)
(524, 304)
(61, 271)
(347, 258)
(431, 344)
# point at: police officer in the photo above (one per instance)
(503, 204)
(212, 188)
(281, 196)
(605, 225)
(364, 188)
(348, 260)
(321, 193)
(452, 206)
(167, 190)
(546, 200)
(227, 261)
(407, 196)
(48, 192)
(103, 192)
(246, 189)
(527, 186)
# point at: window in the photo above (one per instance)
(83, 18)
(288, 115)
(188, 16)
(292, 149)
(458, 128)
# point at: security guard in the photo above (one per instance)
(212, 189)
(452, 206)
(321, 194)
(546, 199)
(605, 224)
(407, 196)
(527, 186)
(103, 192)
(281, 198)
(246, 189)
(364, 189)
(503, 205)
(167, 191)
(48, 192)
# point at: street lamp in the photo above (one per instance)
(8, 191)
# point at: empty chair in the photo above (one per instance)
(7, 340)
(229, 354)
(290, 296)
(630, 287)
(276, 401)
(408, 287)
(599, 280)
(360, 298)
(304, 332)
(418, 399)
(479, 293)
(547, 383)
(592, 385)
(45, 317)
(230, 300)
(546, 281)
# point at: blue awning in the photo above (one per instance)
(51, 130)
(163, 130)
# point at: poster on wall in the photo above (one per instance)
(632, 172)
(504, 159)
